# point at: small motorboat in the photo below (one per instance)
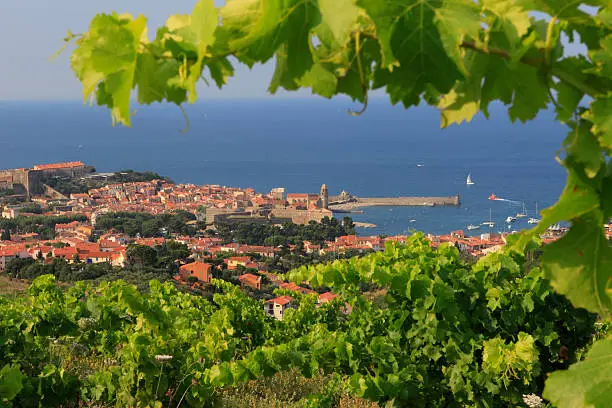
(473, 227)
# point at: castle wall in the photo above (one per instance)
(301, 216)
(22, 181)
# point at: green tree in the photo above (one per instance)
(6, 235)
(140, 256)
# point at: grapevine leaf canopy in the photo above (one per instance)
(585, 384)
(456, 55)
(579, 265)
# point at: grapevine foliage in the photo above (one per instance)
(442, 334)
(458, 55)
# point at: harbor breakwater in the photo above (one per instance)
(394, 202)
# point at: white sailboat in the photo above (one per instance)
(469, 181)
(490, 223)
(522, 214)
(534, 220)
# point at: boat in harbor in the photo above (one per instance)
(473, 227)
(490, 223)
(469, 181)
(510, 219)
(534, 220)
(522, 214)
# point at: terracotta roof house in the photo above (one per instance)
(250, 280)
(296, 288)
(276, 307)
(202, 271)
(326, 297)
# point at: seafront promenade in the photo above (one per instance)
(395, 202)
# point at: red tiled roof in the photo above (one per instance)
(98, 254)
(65, 252)
(244, 259)
(66, 165)
(281, 300)
(327, 296)
(196, 267)
(70, 225)
(296, 288)
(249, 278)
(9, 251)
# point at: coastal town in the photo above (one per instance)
(83, 237)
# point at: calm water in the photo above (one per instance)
(300, 144)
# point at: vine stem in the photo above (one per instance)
(183, 396)
(161, 369)
(361, 77)
(549, 38)
(187, 122)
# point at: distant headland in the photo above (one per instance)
(77, 186)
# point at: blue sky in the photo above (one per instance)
(32, 30)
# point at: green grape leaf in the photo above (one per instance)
(321, 81)
(587, 383)
(603, 57)
(203, 23)
(153, 77)
(255, 29)
(340, 16)
(11, 382)
(530, 95)
(431, 30)
(584, 148)
(568, 96)
(221, 375)
(463, 101)
(220, 69)
(556, 8)
(579, 265)
(604, 15)
(108, 52)
(457, 107)
(601, 116)
(420, 45)
(513, 20)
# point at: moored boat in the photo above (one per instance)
(534, 220)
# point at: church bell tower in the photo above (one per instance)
(324, 197)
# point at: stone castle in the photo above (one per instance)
(30, 182)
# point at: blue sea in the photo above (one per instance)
(301, 143)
